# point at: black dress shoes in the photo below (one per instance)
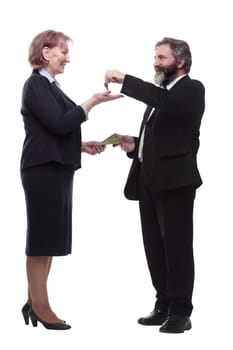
(25, 311)
(155, 318)
(59, 326)
(176, 324)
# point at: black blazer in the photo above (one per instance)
(171, 135)
(52, 124)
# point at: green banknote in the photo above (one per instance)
(114, 139)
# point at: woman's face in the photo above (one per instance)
(57, 57)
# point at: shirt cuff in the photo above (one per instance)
(85, 110)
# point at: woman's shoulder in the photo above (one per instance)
(36, 78)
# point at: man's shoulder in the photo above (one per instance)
(188, 84)
(193, 82)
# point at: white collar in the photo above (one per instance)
(45, 74)
(173, 82)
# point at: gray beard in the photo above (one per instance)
(159, 78)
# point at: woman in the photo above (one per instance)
(51, 153)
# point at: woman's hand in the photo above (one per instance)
(101, 97)
(92, 147)
(106, 96)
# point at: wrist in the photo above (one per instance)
(122, 78)
(83, 147)
(91, 102)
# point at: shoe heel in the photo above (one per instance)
(26, 318)
(25, 311)
(33, 318)
(34, 323)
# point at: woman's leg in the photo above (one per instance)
(29, 301)
(38, 268)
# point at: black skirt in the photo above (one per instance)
(48, 192)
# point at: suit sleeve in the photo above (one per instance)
(143, 91)
(135, 151)
(39, 101)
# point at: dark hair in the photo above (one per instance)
(49, 38)
(180, 50)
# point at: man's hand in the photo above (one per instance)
(127, 143)
(114, 76)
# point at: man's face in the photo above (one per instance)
(165, 65)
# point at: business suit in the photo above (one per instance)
(52, 124)
(165, 183)
(50, 155)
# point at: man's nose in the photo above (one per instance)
(156, 64)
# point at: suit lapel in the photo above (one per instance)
(60, 93)
(145, 118)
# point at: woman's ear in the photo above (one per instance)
(46, 53)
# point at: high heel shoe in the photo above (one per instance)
(57, 326)
(25, 310)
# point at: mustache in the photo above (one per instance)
(159, 69)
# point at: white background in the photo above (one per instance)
(104, 286)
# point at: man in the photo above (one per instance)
(164, 177)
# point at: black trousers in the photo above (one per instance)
(167, 228)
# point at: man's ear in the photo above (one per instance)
(180, 63)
